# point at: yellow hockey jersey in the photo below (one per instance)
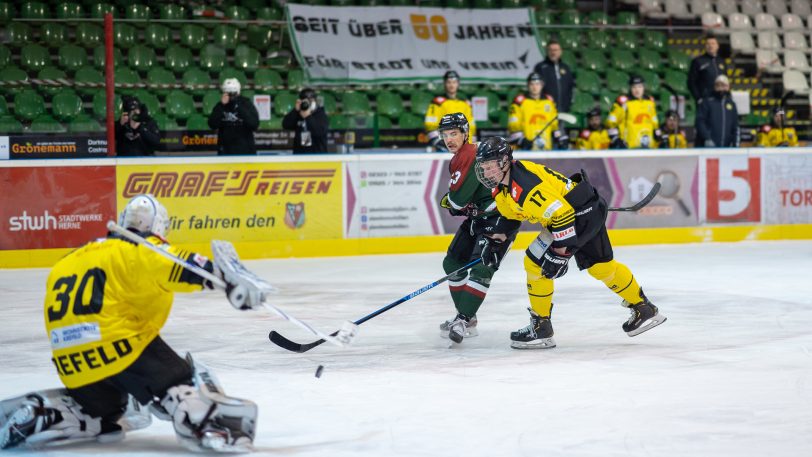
(441, 105)
(771, 137)
(106, 301)
(528, 116)
(636, 121)
(593, 140)
(673, 141)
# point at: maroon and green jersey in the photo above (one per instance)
(464, 190)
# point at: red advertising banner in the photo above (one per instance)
(55, 207)
(733, 189)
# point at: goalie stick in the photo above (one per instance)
(645, 201)
(292, 346)
(339, 338)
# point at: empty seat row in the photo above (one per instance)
(742, 42)
(690, 9)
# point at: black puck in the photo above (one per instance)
(319, 369)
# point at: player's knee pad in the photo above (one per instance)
(482, 274)
(604, 271)
(532, 269)
(49, 418)
(451, 264)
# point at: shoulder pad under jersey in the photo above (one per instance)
(766, 128)
(585, 134)
(622, 99)
(439, 100)
(519, 99)
(549, 97)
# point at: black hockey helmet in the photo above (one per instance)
(534, 77)
(636, 79)
(451, 74)
(490, 149)
(671, 113)
(596, 111)
(454, 121)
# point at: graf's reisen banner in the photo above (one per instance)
(339, 45)
(251, 202)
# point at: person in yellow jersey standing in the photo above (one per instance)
(633, 122)
(573, 215)
(533, 119)
(448, 103)
(105, 305)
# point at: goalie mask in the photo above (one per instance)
(492, 156)
(145, 214)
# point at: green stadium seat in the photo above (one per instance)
(52, 73)
(652, 81)
(278, 58)
(259, 37)
(148, 98)
(72, 57)
(7, 12)
(171, 11)
(268, 13)
(12, 73)
(68, 10)
(88, 35)
(588, 81)
(420, 100)
(353, 102)
(274, 123)
(266, 79)
(124, 35)
(99, 56)
(296, 79)
(52, 34)
(565, 4)
(594, 60)
(3, 107)
(8, 124)
(100, 105)
(283, 102)
(342, 2)
(389, 104)
(543, 37)
(124, 75)
(512, 4)
(617, 81)
(484, 3)
(157, 36)
(457, 4)
(383, 122)
(46, 124)
(538, 4)
(210, 100)
(570, 39)
(597, 18)
(431, 3)
(655, 39)
(98, 10)
(28, 105)
(84, 124)
(246, 58)
(177, 58)
(137, 11)
(165, 123)
(197, 122)
(34, 57)
(677, 80)
(160, 75)
(233, 73)
(18, 34)
(212, 58)
(179, 105)
(226, 36)
(570, 59)
(328, 101)
(627, 39)
(34, 10)
(570, 17)
(248, 93)
(196, 77)
(141, 58)
(650, 60)
(90, 75)
(622, 59)
(410, 121)
(626, 18)
(66, 105)
(339, 122)
(544, 17)
(193, 36)
(5, 56)
(582, 102)
(237, 13)
(253, 5)
(679, 60)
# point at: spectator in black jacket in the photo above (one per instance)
(137, 133)
(705, 69)
(236, 119)
(717, 121)
(309, 122)
(558, 78)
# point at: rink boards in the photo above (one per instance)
(387, 203)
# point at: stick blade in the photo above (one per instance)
(279, 340)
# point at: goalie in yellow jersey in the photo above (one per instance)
(533, 119)
(105, 304)
(573, 216)
(448, 103)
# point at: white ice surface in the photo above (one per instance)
(729, 373)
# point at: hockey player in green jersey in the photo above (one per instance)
(467, 197)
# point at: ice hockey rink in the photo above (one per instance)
(729, 373)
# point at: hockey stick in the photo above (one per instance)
(285, 343)
(645, 201)
(344, 335)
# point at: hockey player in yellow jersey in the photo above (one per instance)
(533, 119)
(105, 305)
(594, 137)
(777, 134)
(447, 103)
(573, 216)
(633, 119)
(672, 137)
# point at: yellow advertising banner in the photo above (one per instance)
(241, 202)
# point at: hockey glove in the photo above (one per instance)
(618, 143)
(446, 203)
(492, 253)
(525, 145)
(710, 144)
(554, 265)
(562, 140)
(438, 144)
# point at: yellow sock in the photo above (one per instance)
(618, 278)
(539, 289)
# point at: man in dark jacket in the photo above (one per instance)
(717, 121)
(309, 122)
(558, 78)
(136, 132)
(705, 69)
(235, 118)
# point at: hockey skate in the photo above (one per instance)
(464, 329)
(537, 335)
(645, 316)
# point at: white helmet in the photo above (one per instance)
(145, 214)
(231, 86)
